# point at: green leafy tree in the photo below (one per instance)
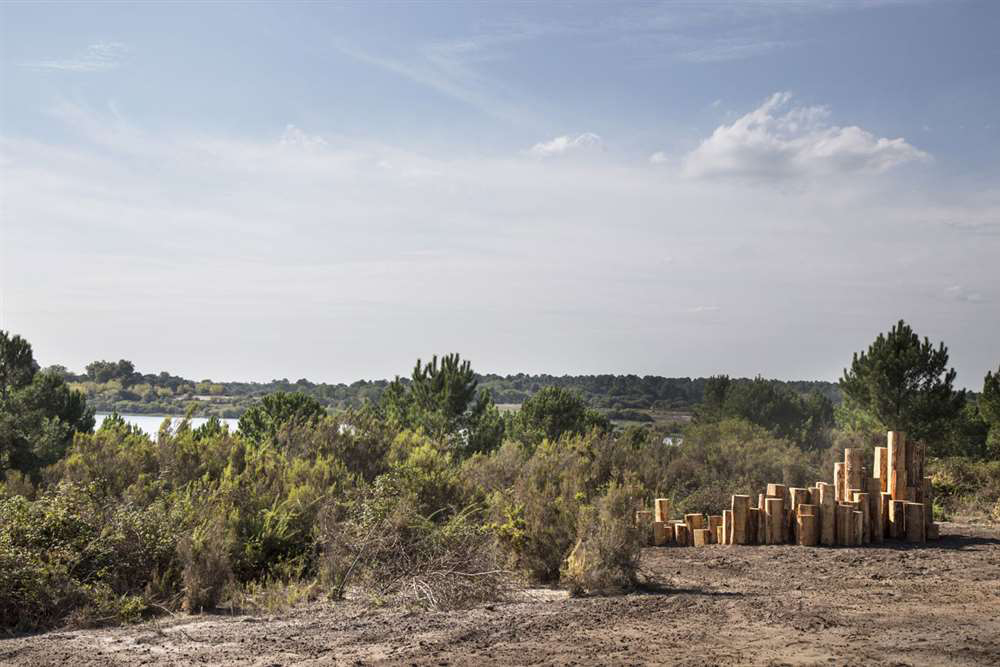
(38, 413)
(905, 384)
(444, 401)
(553, 411)
(262, 421)
(989, 408)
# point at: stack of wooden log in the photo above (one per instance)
(889, 500)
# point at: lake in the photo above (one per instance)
(151, 423)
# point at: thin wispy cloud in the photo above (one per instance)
(567, 144)
(98, 57)
(725, 50)
(778, 140)
(964, 294)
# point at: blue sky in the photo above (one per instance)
(285, 190)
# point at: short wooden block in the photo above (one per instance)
(660, 534)
(681, 534)
(702, 537)
(897, 519)
(714, 521)
(915, 523)
(774, 519)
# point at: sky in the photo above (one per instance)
(329, 191)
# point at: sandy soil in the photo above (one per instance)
(938, 604)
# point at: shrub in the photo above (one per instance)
(610, 543)
(207, 572)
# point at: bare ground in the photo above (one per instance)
(893, 605)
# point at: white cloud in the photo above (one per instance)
(566, 144)
(964, 294)
(98, 57)
(659, 157)
(293, 136)
(778, 140)
(704, 309)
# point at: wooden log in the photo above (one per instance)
(880, 470)
(661, 510)
(702, 537)
(933, 530)
(761, 519)
(753, 520)
(797, 496)
(861, 502)
(843, 519)
(853, 477)
(875, 533)
(915, 529)
(807, 521)
(740, 519)
(720, 535)
(659, 533)
(681, 534)
(714, 521)
(838, 481)
(914, 468)
(886, 499)
(928, 501)
(694, 522)
(896, 464)
(897, 519)
(827, 515)
(859, 528)
(774, 511)
(875, 525)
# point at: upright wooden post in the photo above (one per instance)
(843, 518)
(741, 513)
(701, 537)
(661, 509)
(727, 527)
(714, 521)
(875, 533)
(852, 469)
(762, 519)
(928, 500)
(753, 520)
(827, 515)
(798, 496)
(886, 499)
(880, 470)
(838, 481)
(859, 528)
(861, 500)
(774, 510)
(694, 522)
(915, 529)
(681, 533)
(807, 522)
(896, 464)
(660, 533)
(897, 519)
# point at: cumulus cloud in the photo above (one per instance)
(778, 140)
(98, 57)
(566, 144)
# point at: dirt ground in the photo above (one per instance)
(894, 605)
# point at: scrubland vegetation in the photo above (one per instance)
(428, 496)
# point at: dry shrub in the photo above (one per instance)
(206, 570)
(414, 559)
(606, 558)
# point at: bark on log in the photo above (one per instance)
(859, 528)
(886, 499)
(843, 518)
